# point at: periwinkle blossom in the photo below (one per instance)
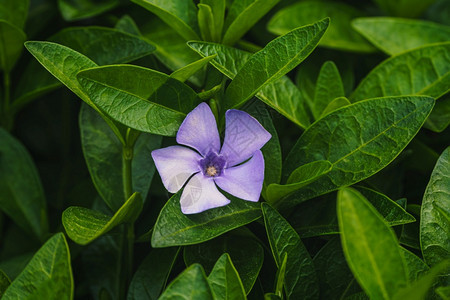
(237, 167)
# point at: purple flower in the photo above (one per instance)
(211, 165)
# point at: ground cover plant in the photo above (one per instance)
(220, 149)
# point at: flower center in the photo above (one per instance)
(212, 164)
(211, 171)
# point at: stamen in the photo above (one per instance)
(211, 171)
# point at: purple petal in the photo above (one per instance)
(200, 194)
(175, 165)
(244, 181)
(199, 130)
(243, 136)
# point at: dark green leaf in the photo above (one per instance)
(434, 217)
(173, 228)
(14, 12)
(395, 35)
(224, 280)
(422, 71)
(300, 279)
(365, 137)
(11, 43)
(21, 194)
(444, 292)
(47, 276)
(415, 266)
(439, 118)
(73, 10)
(404, 8)
(191, 284)
(84, 225)
(340, 34)
(127, 24)
(275, 60)
(186, 72)
(281, 277)
(4, 283)
(334, 105)
(370, 246)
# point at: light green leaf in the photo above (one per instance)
(4, 283)
(173, 228)
(370, 246)
(14, 12)
(238, 248)
(328, 87)
(205, 22)
(396, 35)
(282, 95)
(181, 15)
(404, 8)
(281, 277)
(103, 154)
(334, 105)
(339, 36)
(191, 284)
(242, 16)
(73, 10)
(423, 71)
(21, 194)
(84, 225)
(300, 279)
(186, 72)
(47, 276)
(218, 14)
(224, 280)
(439, 118)
(365, 137)
(275, 60)
(11, 45)
(151, 276)
(434, 216)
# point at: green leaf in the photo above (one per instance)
(271, 296)
(301, 177)
(47, 276)
(191, 284)
(300, 279)
(282, 95)
(21, 194)
(205, 22)
(186, 72)
(173, 228)
(224, 280)
(396, 35)
(73, 10)
(365, 137)
(404, 8)
(218, 15)
(103, 154)
(439, 118)
(180, 15)
(83, 225)
(275, 60)
(415, 266)
(242, 16)
(444, 292)
(434, 216)
(423, 71)
(370, 246)
(238, 248)
(334, 105)
(127, 24)
(328, 87)
(339, 36)
(11, 45)
(281, 277)
(14, 12)
(419, 289)
(4, 283)
(151, 276)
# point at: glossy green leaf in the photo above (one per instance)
(396, 35)
(47, 276)
(439, 118)
(181, 15)
(404, 8)
(242, 16)
(186, 72)
(300, 279)
(282, 95)
(365, 137)
(340, 35)
(328, 87)
(238, 248)
(334, 105)
(4, 283)
(103, 154)
(191, 284)
(276, 59)
(173, 228)
(301, 177)
(423, 71)
(218, 15)
(73, 10)
(11, 45)
(21, 194)
(434, 216)
(224, 280)
(370, 246)
(14, 12)
(152, 274)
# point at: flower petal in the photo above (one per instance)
(201, 194)
(199, 130)
(175, 165)
(243, 136)
(244, 181)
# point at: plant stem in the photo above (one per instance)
(127, 158)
